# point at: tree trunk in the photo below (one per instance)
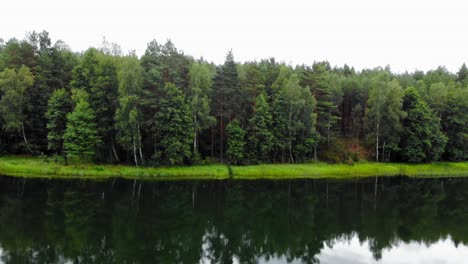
(135, 152)
(221, 130)
(212, 144)
(328, 128)
(290, 135)
(315, 151)
(25, 139)
(114, 151)
(377, 142)
(383, 151)
(139, 141)
(195, 136)
(221, 137)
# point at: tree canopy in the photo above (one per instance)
(167, 107)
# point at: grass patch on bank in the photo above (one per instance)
(36, 167)
(364, 169)
(25, 166)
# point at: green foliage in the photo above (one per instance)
(127, 115)
(15, 100)
(455, 124)
(383, 115)
(58, 108)
(97, 75)
(199, 99)
(80, 139)
(14, 85)
(290, 113)
(422, 139)
(175, 127)
(236, 142)
(260, 138)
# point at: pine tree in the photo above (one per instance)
(226, 94)
(260, 125)
(175, 126)
(422, 139)
(80, 138)
(462, 75)
(326, 91)
(455, 124)
(236, 142)
(58, 107)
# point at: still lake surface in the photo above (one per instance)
(391, 220)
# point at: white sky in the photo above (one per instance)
(406, 34)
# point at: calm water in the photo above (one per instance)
(397, 220)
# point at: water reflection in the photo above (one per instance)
(117, 221)
(357, 252)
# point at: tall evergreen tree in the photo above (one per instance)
(80, 138)
(260, 138)
(58, 108)
(326, 91)
(175, 126)
(455, 124)
(422, 139)
(227, 101)
(236, 142)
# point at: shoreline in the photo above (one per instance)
(34, 167)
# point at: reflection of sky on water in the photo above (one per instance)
(352, 251)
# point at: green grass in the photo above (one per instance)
(364, 169)
(36, 167)
(24, 166)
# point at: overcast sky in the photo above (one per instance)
(404, 34)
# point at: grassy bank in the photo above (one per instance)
(323, 170)
(35, 167)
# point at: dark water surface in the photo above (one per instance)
(397, 220)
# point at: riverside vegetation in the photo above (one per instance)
(167, 111)
(45, 168)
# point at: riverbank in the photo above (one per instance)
(32, 167)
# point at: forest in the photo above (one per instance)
(169, 108)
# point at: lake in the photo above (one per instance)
(373, 220)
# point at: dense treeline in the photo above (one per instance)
(168, 108)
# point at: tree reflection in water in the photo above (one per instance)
(225, 221)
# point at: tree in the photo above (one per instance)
(103, 99)
(327, 92)
(235, 141)
(293, 95)
(462, 75)
(422, 139)
(383, 115)
(199, 100)
(175, 126)
(128, 115)
(80, 138)
(357, 116)
(455, 124)
(15, 100)
(279, 113)
(226, 96)
(260, 125)
(58, 107)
